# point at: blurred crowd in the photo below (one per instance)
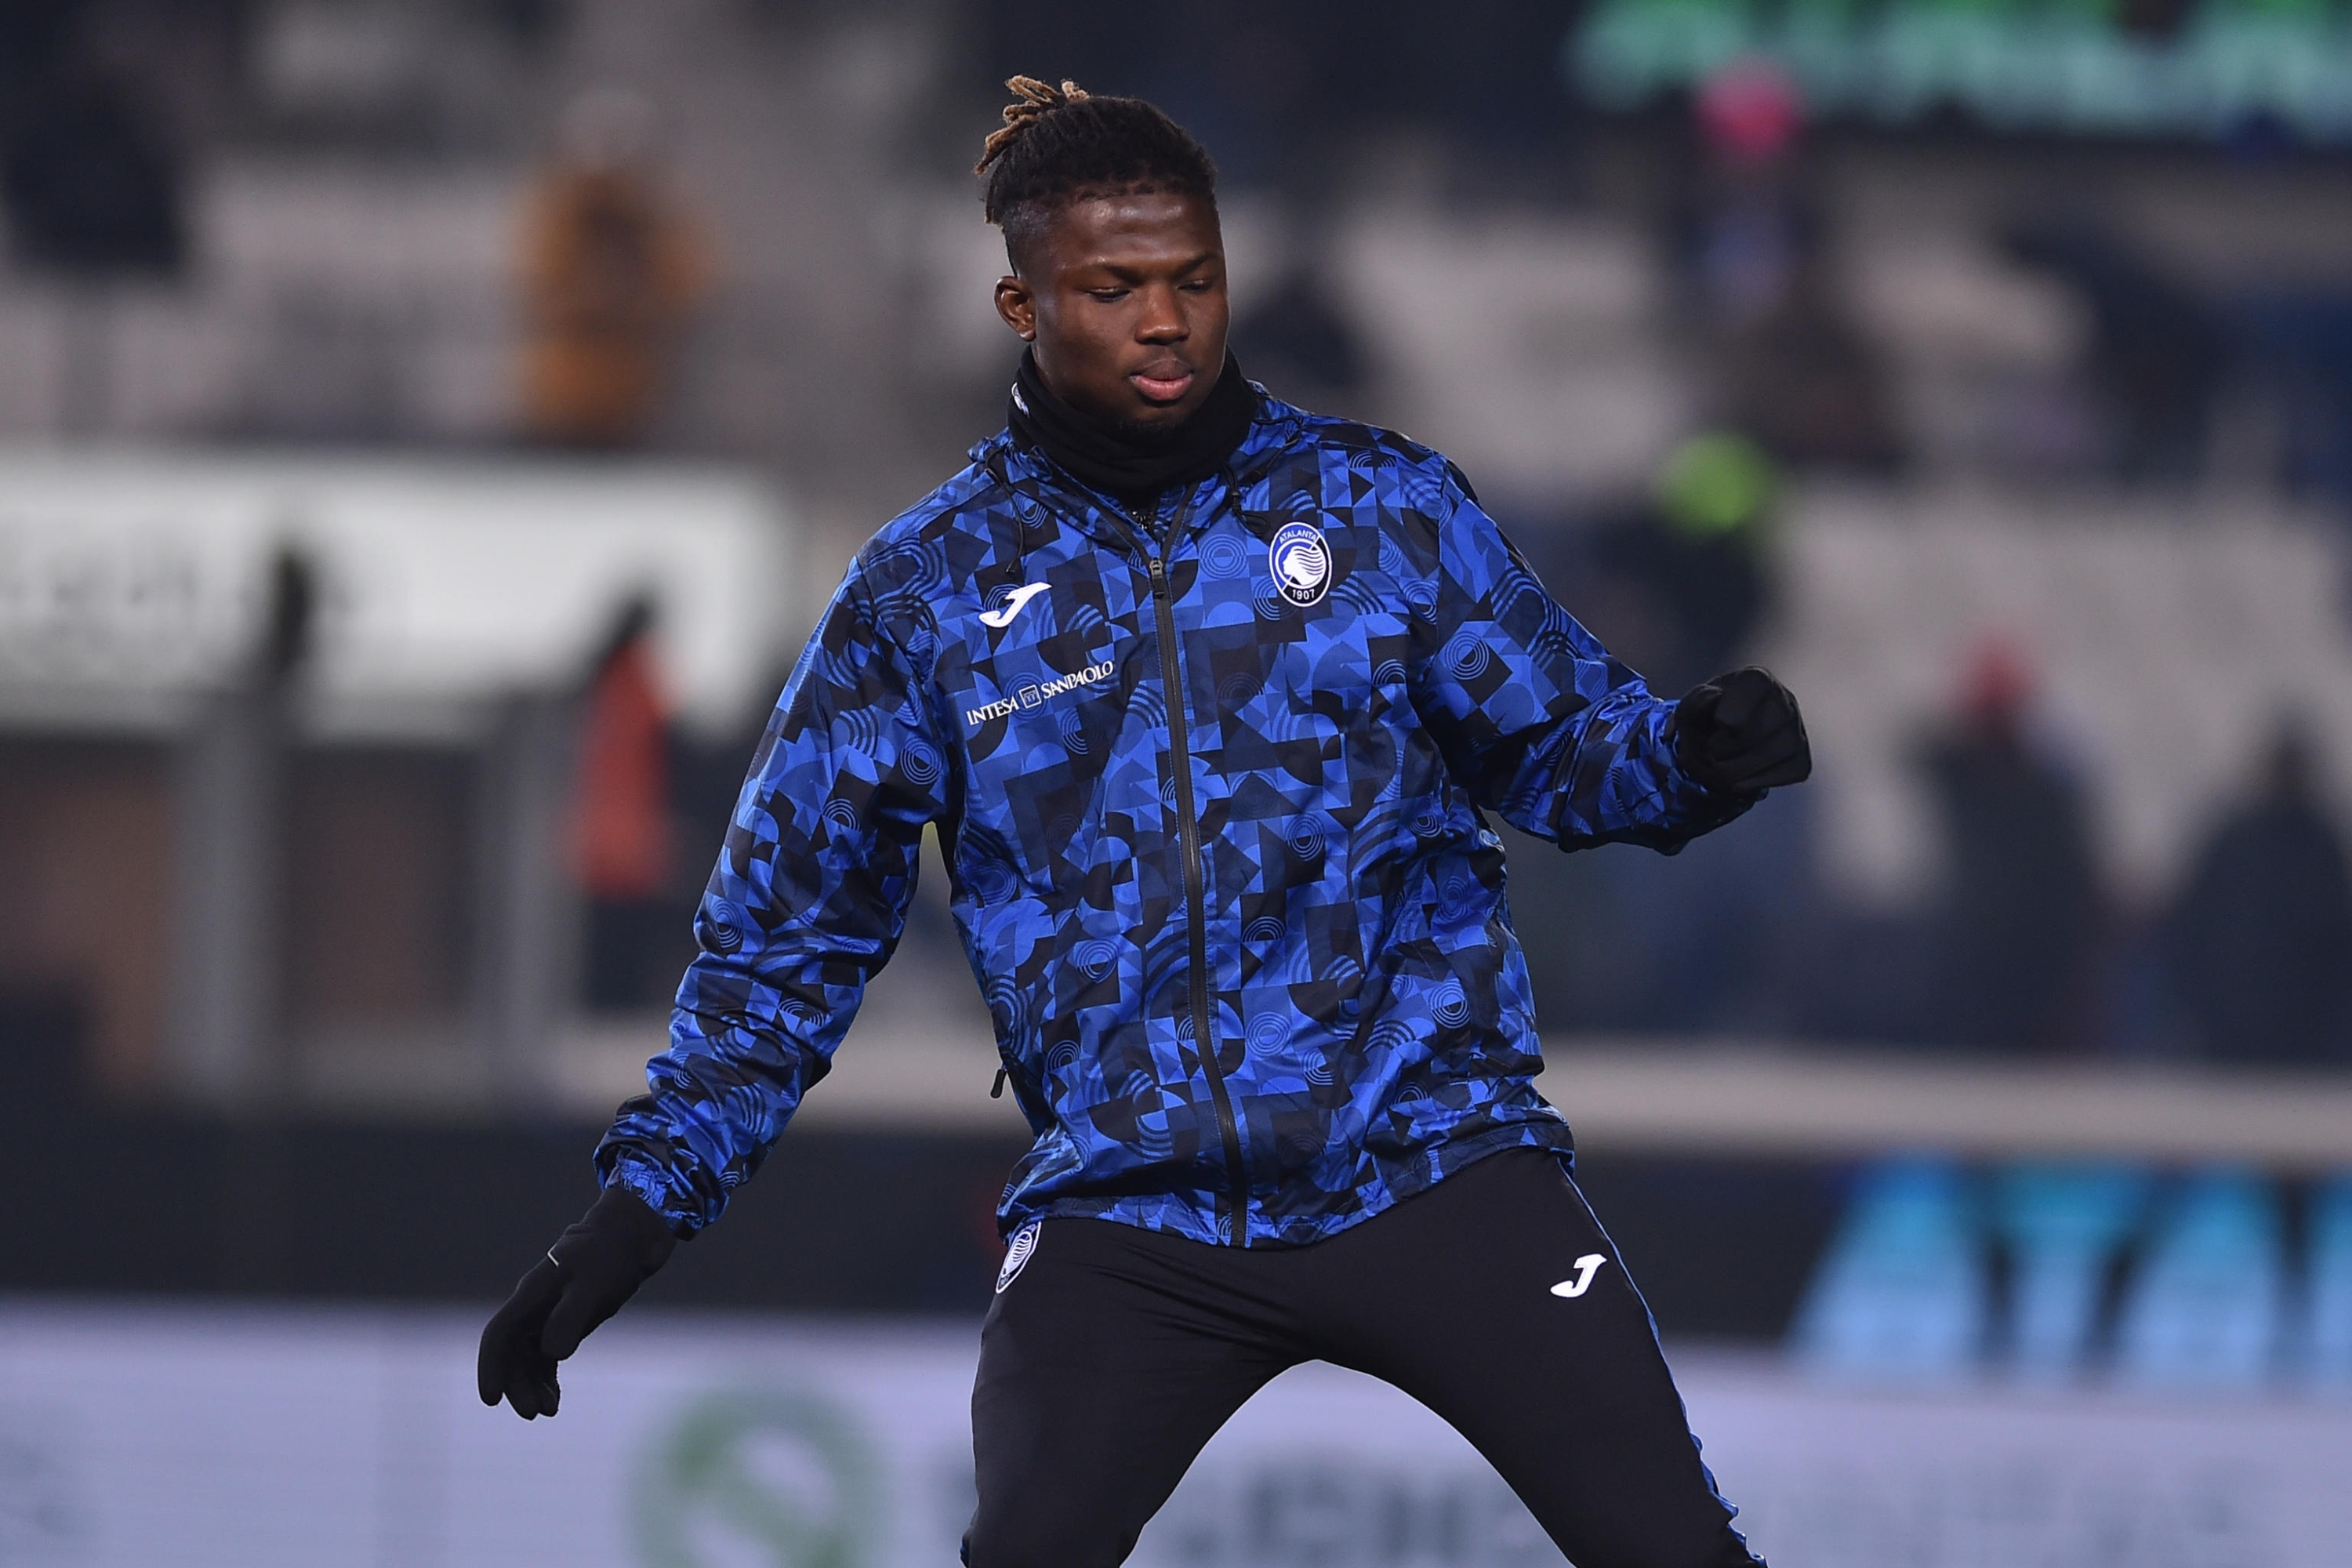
(623, 295)
(2030, 945)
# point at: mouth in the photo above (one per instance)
(1164, 382)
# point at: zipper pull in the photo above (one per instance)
(997, 1091)
(1159, 573)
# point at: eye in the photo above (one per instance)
(1109, 296)
(1197, 285)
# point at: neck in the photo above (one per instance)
(1132, 463)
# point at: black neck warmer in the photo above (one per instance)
(1128, 464)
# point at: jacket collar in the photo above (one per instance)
(1037, 482)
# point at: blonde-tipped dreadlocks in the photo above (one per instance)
(1034, 98)
(1061, 142)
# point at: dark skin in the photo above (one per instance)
(1124, 299)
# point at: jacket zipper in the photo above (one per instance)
(1187, 832)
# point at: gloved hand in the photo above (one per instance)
(1741, 734)
(591, 1270)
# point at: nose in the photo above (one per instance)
(1162, 319)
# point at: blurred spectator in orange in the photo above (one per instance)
(2260, 948)
(623, 845)
(610, 269)
(2015, 937)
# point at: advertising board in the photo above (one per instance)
(189, 1436)
(130, 579)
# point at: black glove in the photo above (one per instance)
(1741, 734)
(590, 1271)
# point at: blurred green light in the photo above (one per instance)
(1715, 483)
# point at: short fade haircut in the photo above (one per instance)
(1063, 144)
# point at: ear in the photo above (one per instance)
(1018, 305)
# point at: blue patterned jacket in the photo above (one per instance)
(1209, 785)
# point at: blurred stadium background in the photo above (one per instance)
(426, 429)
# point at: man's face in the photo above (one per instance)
(1123, 297)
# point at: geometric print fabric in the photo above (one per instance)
(1212, 786)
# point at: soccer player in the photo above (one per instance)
(1209, 699)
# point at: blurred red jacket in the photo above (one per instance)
(622, 844)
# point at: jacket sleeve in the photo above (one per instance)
(808, 900)
(1532, 715)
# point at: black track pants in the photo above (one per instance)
(1115, 1353)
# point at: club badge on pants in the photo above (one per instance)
(1024, 1242)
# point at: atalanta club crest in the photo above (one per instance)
(1024, 1242)
(1301, 564)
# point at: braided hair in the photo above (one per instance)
(1059, 144)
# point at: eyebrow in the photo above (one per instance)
(1129, 274)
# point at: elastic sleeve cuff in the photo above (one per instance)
(651, 1187)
